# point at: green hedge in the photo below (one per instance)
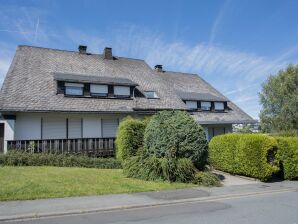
(245, 154)
(62, 160)
(287, 154)
(154, 168)
(130, 137)
(175, 134)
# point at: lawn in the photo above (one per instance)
(21, 183)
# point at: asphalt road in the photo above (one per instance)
(275, 208)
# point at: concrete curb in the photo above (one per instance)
(30, 216)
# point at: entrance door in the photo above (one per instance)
(1, 137)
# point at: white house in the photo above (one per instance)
(67, 100)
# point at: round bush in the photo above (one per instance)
(130, 137)
(175, 134)
(153, 168)
(207, 179)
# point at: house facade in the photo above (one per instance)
(74, 100)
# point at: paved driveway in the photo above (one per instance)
(231, 180)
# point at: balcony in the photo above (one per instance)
(103, 147)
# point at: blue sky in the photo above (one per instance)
(232, 44)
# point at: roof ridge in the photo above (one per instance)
(181, 73)
(72, 51)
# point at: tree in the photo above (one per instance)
(279, 99)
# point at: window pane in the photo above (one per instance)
(219, 106)
(121, 90)
(150, 94)
(191, 104)
(73, 90)
(99, 90)
(205, 105)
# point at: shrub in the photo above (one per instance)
(207, 179)
(154, 168)
(130, 137)
(175, 134)
(287, 154)
(245, 154)
(62, 160)
(222, 150)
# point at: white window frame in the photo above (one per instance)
(73, 86)
(155, 96)
(219, 108)
(191, 104)
(122, 91)
(204, 107)
(98, 90)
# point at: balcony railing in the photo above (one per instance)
(90, 146)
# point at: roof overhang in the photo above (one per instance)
(70, 77)
(229, 122)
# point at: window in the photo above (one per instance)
(98, 90)
(74, 89)
(206, 106)
(151, 95)
(191, 104)
(122, 91)
(219, 106)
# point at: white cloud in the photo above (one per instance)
(218, 20)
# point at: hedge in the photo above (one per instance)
(130, 137)
(62, 160)
(245, 154)
(287, 154)
(175, 134)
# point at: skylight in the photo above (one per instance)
(151, 94)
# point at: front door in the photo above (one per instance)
(1, 137)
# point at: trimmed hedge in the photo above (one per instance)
(175, 134)
(130, 137)
(154, 168)
(245, 154)
(62, 160)
(287, 154)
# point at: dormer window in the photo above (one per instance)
(151, 95)
(122, 91)
(98, 90)
(206, 106)
(74, 89)
(191, 104)
(219, 106)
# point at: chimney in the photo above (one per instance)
(158, 68)
(82, 49)
(108, 53)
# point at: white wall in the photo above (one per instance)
(28, 125)
(9, 127)
(216, 129)
(92, 127)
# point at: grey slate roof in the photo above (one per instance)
(93, 79)
(30, 85)
(194, 83)
(199, 96)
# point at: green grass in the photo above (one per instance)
(21, 183)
